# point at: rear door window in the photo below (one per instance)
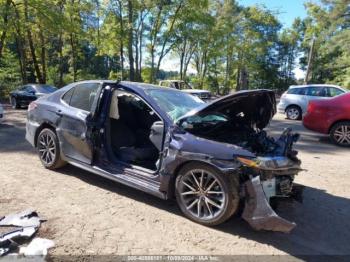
(320, 91)
(84, 95)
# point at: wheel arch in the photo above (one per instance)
(336, 122)
(40, 128)
(296, 105)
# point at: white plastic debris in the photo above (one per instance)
(27, 218)
(37, 247)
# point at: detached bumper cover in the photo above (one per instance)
(258, 212)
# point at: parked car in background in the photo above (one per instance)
(187, 88)
(331, 116)
(172, 145)
(294, 101)
(28, 93)
(1, 113)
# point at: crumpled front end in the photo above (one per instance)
(267, 179)
(258, 212)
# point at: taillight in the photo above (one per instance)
(32, 106)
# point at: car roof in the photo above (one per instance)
(172, 81)
(314, 85)
(137, 86)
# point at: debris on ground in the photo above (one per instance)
(25, 218)
(38, 247)
(17, 230)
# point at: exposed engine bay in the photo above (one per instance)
(220, 129)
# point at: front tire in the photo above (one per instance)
(293, 113)
(49, 149)
(205, 195)
(340, 133)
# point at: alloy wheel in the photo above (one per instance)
(293, 113)
(342, 135)
(202, 194)
(47, 148)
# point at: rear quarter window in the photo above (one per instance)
(333, 91)
(68, 95)
(82, 96)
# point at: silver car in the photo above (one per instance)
(295, 100)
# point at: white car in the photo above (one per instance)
(1, 113)
(187, 88)
(295, 100)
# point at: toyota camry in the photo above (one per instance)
(210, 157)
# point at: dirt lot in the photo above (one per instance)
(89, 215)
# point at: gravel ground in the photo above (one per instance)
(89, 215)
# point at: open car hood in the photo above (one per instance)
(255, 107)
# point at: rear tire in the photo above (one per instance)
(48, 148)
(293, 113)
(340, 133)
(14, 103)
(205, 195)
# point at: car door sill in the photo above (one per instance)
(128, 179)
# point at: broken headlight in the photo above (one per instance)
(269, 163)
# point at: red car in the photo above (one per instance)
(330, 116)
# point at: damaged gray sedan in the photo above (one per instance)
(210, 157)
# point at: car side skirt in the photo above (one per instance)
(125, 179)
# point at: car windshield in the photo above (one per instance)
(175, 103)
(46, 89)
(206, 121)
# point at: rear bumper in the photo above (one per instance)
(31, 128)
(315, 123)
(281, 108)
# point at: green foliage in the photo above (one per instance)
(9, 74)
(229, 46)
(329, 24)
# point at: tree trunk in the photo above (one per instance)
(165, 42)
(43, 55)
(121, 39)
(309, 63)
(136, 47)
(243, 78)
(21, 58)
(152, 77)
(73, 50)
(60, 57)
(31, 45)
(4, 32)
(130, 42)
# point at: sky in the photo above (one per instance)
(286, 11)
